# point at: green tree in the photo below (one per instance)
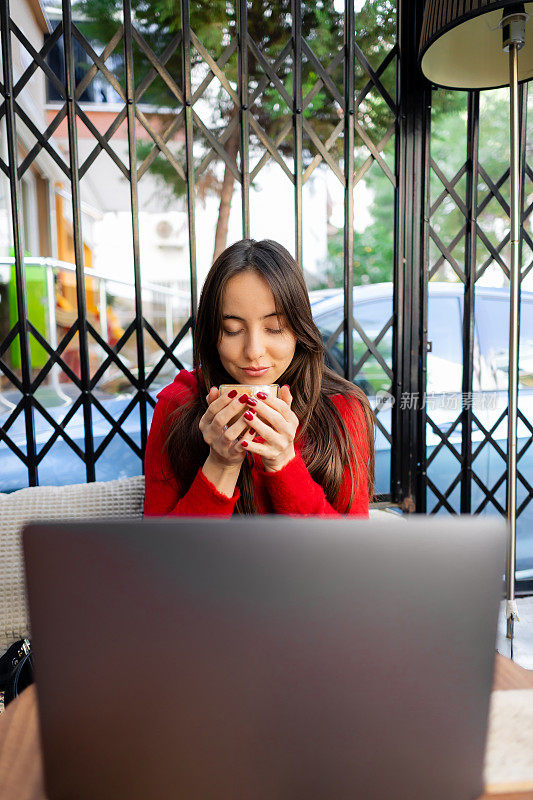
(269, 26)
(373, 248)
(448, 149)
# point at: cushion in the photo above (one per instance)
(381, 514)
(120, 498)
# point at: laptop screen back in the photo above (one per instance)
(264, 658)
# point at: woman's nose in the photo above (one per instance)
(254, 346)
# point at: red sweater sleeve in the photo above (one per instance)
(294, 492)
(163, 496)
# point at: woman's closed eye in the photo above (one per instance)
(268, 330)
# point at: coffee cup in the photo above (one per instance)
(245, 388)
(251, 391)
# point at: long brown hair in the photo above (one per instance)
(327, 444)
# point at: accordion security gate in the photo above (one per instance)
(474, 438)
(481, 189)
(345, 79)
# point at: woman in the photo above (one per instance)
(309, 451)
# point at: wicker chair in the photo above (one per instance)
(119, 498)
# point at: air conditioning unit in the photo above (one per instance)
(168, 234)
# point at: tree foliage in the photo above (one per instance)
(269, 27)
(269, 24)
(373, 248)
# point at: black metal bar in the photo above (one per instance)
(42, 141)
(522, 121)
(444, 437)
(349, 137)
(98, 62)
(85, 375)
(59, 429)
(411, 267)
(113, 355)
(522, 116)
(116, 427)
(494, 190)
(167, 350)
(18, 245)
(242, 25)
(134, 200)
(38, 60)
(488, 435)
(421, 482)
(55, 357)
(187, 94)
(321, 71)
(374, 77)
(397, 282)
(472, 158)
(297, 112)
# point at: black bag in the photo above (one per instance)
(16, 669)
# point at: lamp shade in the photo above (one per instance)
(461, 44)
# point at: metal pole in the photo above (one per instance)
(297, 121)
(411, 264)
(349, 130)
(135, 228)
(472, 160)
(242, 33)
(511, 609)
(189, 156)
(85, 369)
(18, 244)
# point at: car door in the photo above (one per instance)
(492, 317)
(372, 341)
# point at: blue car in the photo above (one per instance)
(373, 313)
(443, 399)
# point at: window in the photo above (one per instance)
(492, 316)
(371, 316)
(99, 90)
(445, 356)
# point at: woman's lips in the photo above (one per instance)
(255, 372)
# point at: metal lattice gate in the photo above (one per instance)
(297, 93)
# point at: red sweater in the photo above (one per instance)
(290, 491)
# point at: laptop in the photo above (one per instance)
(264, 658)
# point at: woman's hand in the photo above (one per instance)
(275, 425)
(225, 440)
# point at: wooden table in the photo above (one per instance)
(21, 776)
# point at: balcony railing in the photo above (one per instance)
(169, 297)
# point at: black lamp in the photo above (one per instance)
(464, 44)
(475, 44)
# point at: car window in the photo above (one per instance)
(371, 316)
(444, 328)
(492, 317)
(445, 345)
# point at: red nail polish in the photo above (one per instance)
(243, 398)
(259, 440)
(261, 395)
(251, 401)
(233, 393)
(252, 431)
(249, 415)
(244, 444)
(286, 386)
